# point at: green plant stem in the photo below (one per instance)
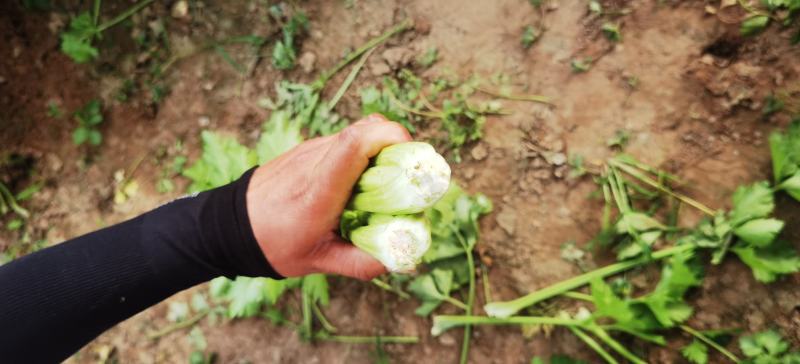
(487, 288)
(12, 202)
(508, 308)
(470, 295)
(592, 343)
(178, 326)
(532, 98)
(709, 342)
(614, 344)
(387, 287)
(443, 323)
(96, 12)
(322, 319)
(3, 204)
(349, 80)
(119, 18)
(305, 326)
(369, 339)
(578, 296)
(638, 175)
(456, 302)
(325, 76)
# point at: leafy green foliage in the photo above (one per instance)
(529, 36)
(558, 359)
(375, 101)
(429, 57)
(581, 65)
(247, 296)
(284, 54)
(432, 289)
(696, 352)
(89, 118)
(754, 25)
(304, 106)
(767, 347)
(454, 232)
(223, 161)
(785, 150)
(279, 135)
(76, 42)
(612, 32)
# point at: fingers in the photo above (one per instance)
(352, 147)
(343, 258)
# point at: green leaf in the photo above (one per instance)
(529, 36)
(770, 262)
(752, 202)
(765, 343)
(429, 57)
(785, 151)
(696, 352)
(90, 114)
(95, 138)
(792, 186)
(431, 288)
(315, 286)
(611, 31)
(581, 65)
(375, 101)
(14, 224)
(754, 25)
(666, 300)
(759, 232)
(80, 135)
(178, 311)
(638, 222)
(223, 161)
(76, 42)
(279, 135)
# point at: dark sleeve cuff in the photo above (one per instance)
(225, 226)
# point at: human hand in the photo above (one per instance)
(294, 201)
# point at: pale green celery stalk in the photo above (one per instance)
(508, 308)
(592, 343)
(443, 323)
(711, 343)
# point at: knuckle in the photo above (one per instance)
(350, 137)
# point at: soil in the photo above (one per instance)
(694, 109)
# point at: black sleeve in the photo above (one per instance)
(55, 301)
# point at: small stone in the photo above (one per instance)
(180, 9)
(398, 57)
(447, 340)
(507, 219)
(203, 121)
(208, 86)
(379, 69)
(479, 152)
(541, 174)
(560, 172)
(707, 59)
(556, 159)
(469, 173)
(307, 61)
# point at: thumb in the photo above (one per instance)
(343, 258)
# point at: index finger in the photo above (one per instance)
(352, 147)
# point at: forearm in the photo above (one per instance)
(55, 301)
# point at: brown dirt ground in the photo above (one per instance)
(695, 111)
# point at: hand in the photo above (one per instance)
(294, 201)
